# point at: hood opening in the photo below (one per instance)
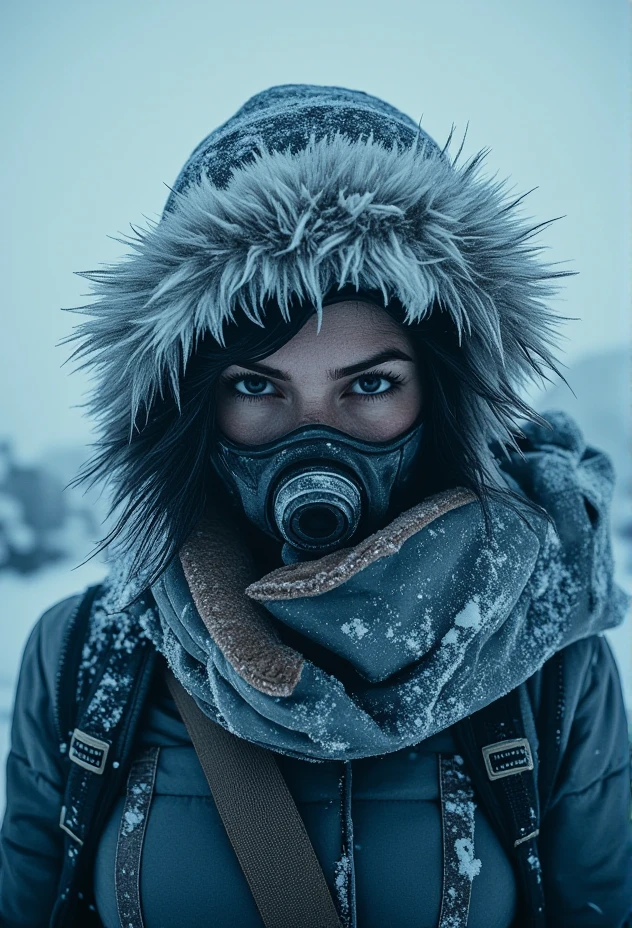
(304, 191)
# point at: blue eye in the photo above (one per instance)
(371, 384)
(253, 385)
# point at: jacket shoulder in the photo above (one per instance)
(34, 740)
(589, 810)
(53, 661)
(595, 735)
(572, 663)
(48, 636)
(44, 645)
(577, 700)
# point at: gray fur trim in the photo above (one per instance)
(406, 222)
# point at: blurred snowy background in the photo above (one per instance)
(102, 105)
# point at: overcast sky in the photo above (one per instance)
(103, 102)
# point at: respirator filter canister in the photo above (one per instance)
(316, 487)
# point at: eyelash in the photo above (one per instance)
(395, 380)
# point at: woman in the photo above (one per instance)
(333, 535)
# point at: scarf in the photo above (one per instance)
(376, 647)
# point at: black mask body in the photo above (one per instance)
(317, 488)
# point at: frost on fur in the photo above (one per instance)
(295, 225)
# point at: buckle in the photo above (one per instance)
(88, 752)
(504, 758)
(62, 824)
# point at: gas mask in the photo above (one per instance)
(317, 488)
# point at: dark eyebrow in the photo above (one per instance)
(263, 369)
(390, 354)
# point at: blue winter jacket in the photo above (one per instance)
(188, 866)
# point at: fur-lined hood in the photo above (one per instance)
(303, 190)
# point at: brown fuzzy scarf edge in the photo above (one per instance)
(221, 575)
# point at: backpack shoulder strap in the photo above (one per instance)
(101, 722)
(501, 766)
(261, 820)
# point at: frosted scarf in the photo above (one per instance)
(419, 625)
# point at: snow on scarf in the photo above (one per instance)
(430, 619)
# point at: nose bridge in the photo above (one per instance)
(315, 408)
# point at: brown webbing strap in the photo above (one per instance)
(262, 822)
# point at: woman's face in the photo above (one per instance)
(359, 374)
